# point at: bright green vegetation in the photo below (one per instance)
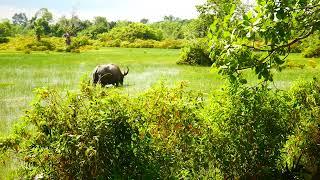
(22, 73)
(169, 133)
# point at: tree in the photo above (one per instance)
(171, 27)
(20, 19)
(133, 31)
(208, 12)
(100, 25)
(72, 26)
(40, 22)
(112, 24)
(197, 28)
(5, 29)
(170, 18)
(219, 8)
(279, 24)
(144, 21)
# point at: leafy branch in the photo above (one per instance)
(276, 24)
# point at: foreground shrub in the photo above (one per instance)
(168, 119)
(302, 150)
(240, 132)
(249, 126)
(99, 133)
(195, 54)
(80, 136)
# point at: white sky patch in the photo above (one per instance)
(133, 10)
(6, 12)
(113, 10)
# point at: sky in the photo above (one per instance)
(132, 10)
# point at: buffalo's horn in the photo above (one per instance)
(125, 73)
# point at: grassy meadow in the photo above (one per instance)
(21, 73)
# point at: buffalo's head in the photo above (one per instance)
(123, 75)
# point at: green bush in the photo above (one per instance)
(131, 32)
(85, 135)
(312, 45)
(140, 43)
(171, 44)
(293, 64)
(240, 132)
(168, 120)
(312, 52)
(99, 133)
(125, 44)
(82, 43)
(249, 126)
(196, 54)
(296, 47)
(113, 43)
(302, 147)
(23, 43)
(40, 46)
(4, 40)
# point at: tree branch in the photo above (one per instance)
(258, 49)
(284, 45)
(296, 40)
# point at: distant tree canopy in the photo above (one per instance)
(171, 27)
(269, 24)
(20, 19)
(133, 31)
(144, 21)
(100, 25)
(40, 22)
(5, 29)
(208, 12)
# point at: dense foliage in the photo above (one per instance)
(170, 133)
(171, 27)
(239, 132)
(312, 46)
(195, 53)
(132, 32)
(278, 24)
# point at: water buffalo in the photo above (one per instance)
(108, 74)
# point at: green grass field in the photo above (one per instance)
(21, 73)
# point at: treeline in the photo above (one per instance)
(41, 33)
(42, 24)
(171, 32)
